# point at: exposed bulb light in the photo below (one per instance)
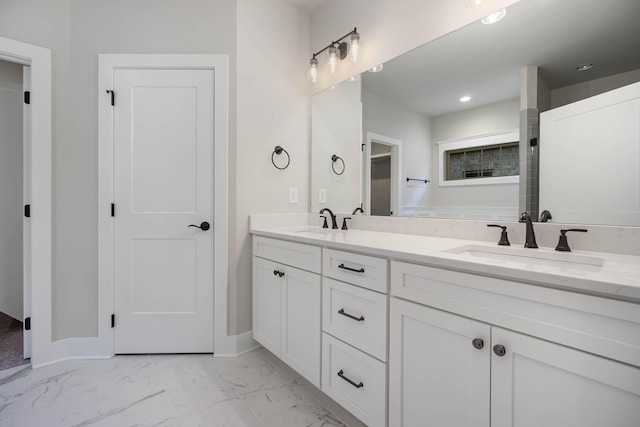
(494, 17)
(355, 43)
(313, 71)
(584, 67)
(333, 58)
(337, 50)
(465, 98)
(376, 69)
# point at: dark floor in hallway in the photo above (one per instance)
(10, 342)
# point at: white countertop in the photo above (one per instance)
(604, 274)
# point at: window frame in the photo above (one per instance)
(486, 140)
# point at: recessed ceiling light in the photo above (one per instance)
(354, 78)
(376, 69)
(494, 17)
(584, 67)
(465, 98)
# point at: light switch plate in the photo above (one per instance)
(293, 194)
(322, 195)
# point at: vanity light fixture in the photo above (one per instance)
(465, 98)
(337, 50)
(584, 67)
(494, 17)
(376, 69)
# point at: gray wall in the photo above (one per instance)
(76, 31)
(567, 95)
(498, 117)
(11, 189)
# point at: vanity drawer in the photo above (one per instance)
(298, 255)
(343, 365)
(362, 270)
(355, 315)
(594, 324)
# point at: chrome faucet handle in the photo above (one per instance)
(504, 239)
(563, 244)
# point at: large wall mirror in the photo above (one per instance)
(410, 123)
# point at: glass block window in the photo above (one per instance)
(483, 161)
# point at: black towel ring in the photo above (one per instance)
(278, 150)
(334, 159)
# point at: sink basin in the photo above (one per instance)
(531, 258)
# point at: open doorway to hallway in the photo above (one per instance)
(11, 215)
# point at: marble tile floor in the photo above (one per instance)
(254, 389)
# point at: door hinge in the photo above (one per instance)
(113, 96)
(27, 97)
(113, 320)
(113, 209)
(27, 324)
(362, 147)
(27, 211)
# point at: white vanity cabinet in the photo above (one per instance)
(477, 363)
(354, 338)
(286, 303)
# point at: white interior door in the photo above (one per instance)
(163, 183)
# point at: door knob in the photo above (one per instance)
(204, 226)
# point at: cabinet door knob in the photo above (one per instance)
(278, 273)
(499, 350)
(478, 343)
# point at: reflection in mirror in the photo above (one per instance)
(512, 71)
(335, 131)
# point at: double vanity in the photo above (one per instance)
(405, 330)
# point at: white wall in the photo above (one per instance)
(497, 117)
(384, 117)
(388, 28)
(273, 109)
(336, 127)
(76, 31)
(11, 200)
(568, 94)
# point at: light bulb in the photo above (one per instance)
(494, 17)
(313, 71)
(333, 58)
(355, 43)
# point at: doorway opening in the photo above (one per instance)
(14, 339)
(382, 156)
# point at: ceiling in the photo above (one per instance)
(484, 61)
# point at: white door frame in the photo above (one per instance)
(396, 173)
(223, 344)
(39, 255)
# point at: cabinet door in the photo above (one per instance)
(301, 322)
(267, 305)
(436, 375)
(538, 383)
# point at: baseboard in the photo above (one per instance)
(245, 343)
(94, 348)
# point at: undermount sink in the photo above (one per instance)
(314, 231)
(527, 258)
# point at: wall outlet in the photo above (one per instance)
(293, 194)
(322, 195)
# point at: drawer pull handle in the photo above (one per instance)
(359, 319)
(360, 270)
(278, 273)
(341, 375)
